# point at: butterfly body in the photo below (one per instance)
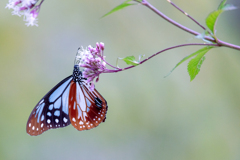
(71, 101)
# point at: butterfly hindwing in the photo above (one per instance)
(87, 109)
(70, 101)
(52, 110)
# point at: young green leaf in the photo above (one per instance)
(130, 60)
(222, 4)
(195, 64)
(211, 20)
(119, 7)
(184, 59)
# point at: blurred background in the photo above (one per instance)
(149, 116)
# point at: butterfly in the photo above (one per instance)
(71, 101)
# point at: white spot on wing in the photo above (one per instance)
(50, 107)
(56, 120)
(65, 120)
(48, 121)
(74, 105)
(57, 113)
(73, 119)
(41, 101)
(49, 114)
(42, 118)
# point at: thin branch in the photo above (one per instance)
(182, 45)
(174, 5)
(108, 63)
(229, 45)
(219, 42)
(147, 4)
(41, 2)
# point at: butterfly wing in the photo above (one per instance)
(52, 110)
(87, 109)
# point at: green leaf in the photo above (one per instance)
(211, 20)
(222, 4)
(225, 7)
(119, 7)
(195, 64)
(184, 59)
(130, 60)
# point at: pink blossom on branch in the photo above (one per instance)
(26, 8)
(93, 63)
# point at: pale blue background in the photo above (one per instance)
(149, 117)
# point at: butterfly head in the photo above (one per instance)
(77, 74)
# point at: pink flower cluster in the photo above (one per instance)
(93, 62)
(26, 8)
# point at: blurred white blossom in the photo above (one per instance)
(26, 8)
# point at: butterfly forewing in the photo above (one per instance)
(87, 109)
(52, 110)
(70, 101)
